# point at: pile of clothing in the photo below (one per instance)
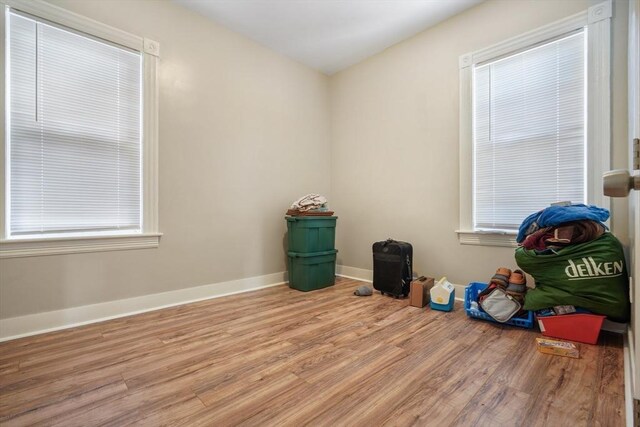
(575, 261)
(311, 204)
(562, 225)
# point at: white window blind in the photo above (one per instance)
(529, 132)
(74, 124)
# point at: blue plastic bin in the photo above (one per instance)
(471, 294)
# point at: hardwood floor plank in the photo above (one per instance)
(376, 356)
(248, 399)
(563, 392)
(87, 354)
(16, 350)
(331, 388)
(495, 404)
(608, 411)
(611, 371)
(130, 407)
(52, 393)
(424, 379)
(87, 362)
(211, 368)
(7, 368)
(45, 414)
(170, 415)
(271, 415)
(609, 387)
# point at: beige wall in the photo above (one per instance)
(243, 132)
(394, 136)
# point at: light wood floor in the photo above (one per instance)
(282, 357)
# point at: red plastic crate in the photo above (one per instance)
(573, 327)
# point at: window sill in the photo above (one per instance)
(17, 248)
(487, 238)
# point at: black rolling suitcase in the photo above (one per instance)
(392, 267)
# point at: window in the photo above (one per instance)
(528, 135)
(528, 132)
(78, 165)
(74, 132)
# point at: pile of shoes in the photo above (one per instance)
(504, 296)
(574, 260)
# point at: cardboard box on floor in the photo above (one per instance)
(419, 295)
(557, 348)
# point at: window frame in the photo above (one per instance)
(596, 21)
(149, 237)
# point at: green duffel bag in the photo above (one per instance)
(590, 275)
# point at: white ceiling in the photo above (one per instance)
(328, 35)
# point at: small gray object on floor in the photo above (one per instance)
(363, 291)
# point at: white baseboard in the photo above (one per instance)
(39, 323)
(628, 368)
(354, 273)
(33, 324)
(367, 276)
